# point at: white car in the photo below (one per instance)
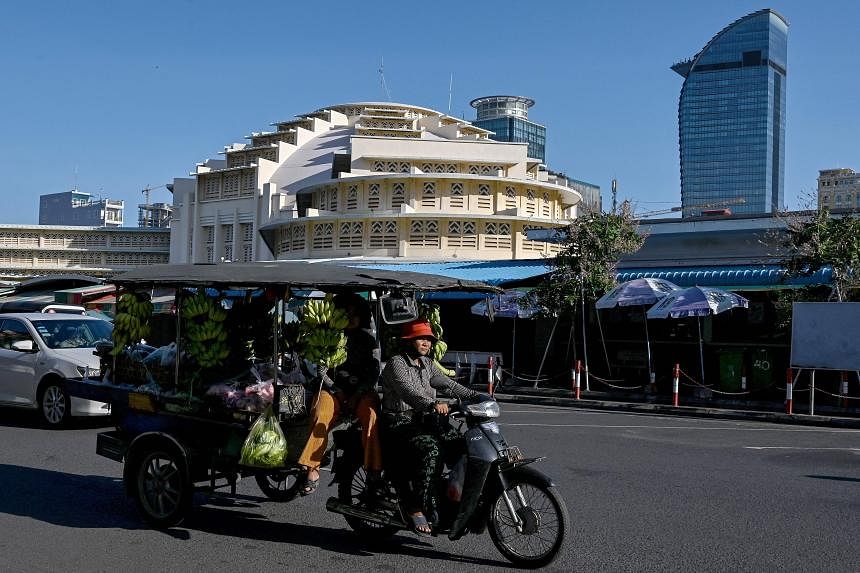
(38, 351)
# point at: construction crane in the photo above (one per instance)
(682, 209)
(144, 210)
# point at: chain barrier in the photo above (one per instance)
(606, 382)
(837, 395)
(696, 383)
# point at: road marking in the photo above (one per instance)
(744, 429)
(797, 448)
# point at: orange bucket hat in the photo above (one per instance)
(417, 328)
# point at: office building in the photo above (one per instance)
(839, 189)
(731, 118)
(507, 117)
(368, 180)
(28, 251)
(74, 208)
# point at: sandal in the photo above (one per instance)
(420, 525)
(310, 486)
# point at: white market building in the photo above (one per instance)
(373, 181)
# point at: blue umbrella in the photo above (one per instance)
(508, 304)
(638, 292)
(697, 301)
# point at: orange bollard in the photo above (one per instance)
(490, 384)
(789, 392)
(576, 379)
(676, 376)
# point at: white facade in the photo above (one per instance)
(33, 250)
(374, 180)
(839, 189)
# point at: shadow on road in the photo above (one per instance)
(69, 500)
(249, 525)
(835, 478)
(21, 418)
(92, 501)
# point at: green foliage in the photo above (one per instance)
(588, 259)
(821, 240)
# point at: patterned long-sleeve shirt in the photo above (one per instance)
(407, 386)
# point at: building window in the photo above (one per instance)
(352, 197)
(231, 185)
(379, 166)
(497, 235)
(424, 233)
(531, 245)
(462, 234)
(456, 201)
(510, 198)
(428, 197)
(211, 188)
(249, 182)
(323, 236)
(209, 242)
(227, 233)
(351, 235)
(298, 242)
(398, 195)
(383, 234)
(484, 200)
(373, 196)
(246, 231)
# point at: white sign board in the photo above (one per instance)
(825, 335)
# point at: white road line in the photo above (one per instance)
(797, 448)
(742, 429)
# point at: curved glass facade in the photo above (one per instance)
(731, 118)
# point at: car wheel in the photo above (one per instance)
(54, 405)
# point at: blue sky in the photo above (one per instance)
(116, 96)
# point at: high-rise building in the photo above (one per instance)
(839, 189)
(731, 117)
(508, 118)
(76, 208)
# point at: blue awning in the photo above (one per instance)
(495, 273)
(750, 277)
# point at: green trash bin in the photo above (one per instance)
(761, 368)
(731, 367)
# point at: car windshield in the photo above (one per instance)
(72, 333)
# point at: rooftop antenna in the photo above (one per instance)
(450, 92)
(75, 186)
(614, 196)
(382, 79)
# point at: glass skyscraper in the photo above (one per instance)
(508, 118)
(731, 118)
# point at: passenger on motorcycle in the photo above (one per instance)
(349, 390)
(411, 413)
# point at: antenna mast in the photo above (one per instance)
(450, 92)
(382, 79)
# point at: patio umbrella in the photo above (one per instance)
(697, 301)
(638, 292)
(508, 304)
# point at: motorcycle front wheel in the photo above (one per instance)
(543, 518)
(353, 489)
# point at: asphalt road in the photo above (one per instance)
(645, 493)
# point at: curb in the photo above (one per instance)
(688, 411)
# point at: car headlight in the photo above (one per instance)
(86, 371)
(487, 409)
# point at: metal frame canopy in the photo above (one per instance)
(296, 275)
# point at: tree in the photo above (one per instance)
(591, 248)
(822, 240)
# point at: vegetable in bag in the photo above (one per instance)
(265, 446)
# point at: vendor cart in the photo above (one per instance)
(174, 443)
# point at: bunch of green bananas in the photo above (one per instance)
(131, 323)
(204, 330)
(430, 312)
(321, 332)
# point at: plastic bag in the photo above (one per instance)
(456, 479)
(265, 446)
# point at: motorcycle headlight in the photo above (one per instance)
(488, 409)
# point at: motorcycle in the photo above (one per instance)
(492, 488)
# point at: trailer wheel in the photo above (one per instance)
(279, 485)
(162, 490)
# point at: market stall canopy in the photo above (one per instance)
(636, 292)
(299, 275)
(696, 301)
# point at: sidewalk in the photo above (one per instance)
(661, 405)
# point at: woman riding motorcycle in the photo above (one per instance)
(410, 408)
